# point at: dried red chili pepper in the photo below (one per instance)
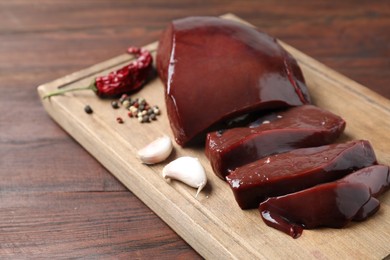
(125, 80)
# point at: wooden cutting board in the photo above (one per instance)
(213, 224)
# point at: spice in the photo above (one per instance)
(88, 109)
(126, 103)
(114, 104)
(145, 119)
(141, 101)
(125, 80)
(123, 98)
(139, 108)
(119, 120)
(156, 110)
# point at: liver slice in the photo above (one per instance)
(296, 170)
(297, 127)
(332, 204)
(376, 177)
(214, 70)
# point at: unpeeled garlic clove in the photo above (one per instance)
(157, 151)
(188, 170)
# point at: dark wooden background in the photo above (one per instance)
(55, 199)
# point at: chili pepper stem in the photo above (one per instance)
(62, 91)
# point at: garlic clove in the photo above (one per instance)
(157, 151)
(187, 170)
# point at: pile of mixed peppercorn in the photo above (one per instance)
(138, 108)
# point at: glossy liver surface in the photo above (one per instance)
(297, 127)
(296, 170)
(214, 70)
(332, 204)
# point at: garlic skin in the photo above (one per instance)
(187, 170)
(157, 151)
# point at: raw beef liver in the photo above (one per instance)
(297, 127)
(376, 177)
(332, 204)
(296, 170)
(214, 70)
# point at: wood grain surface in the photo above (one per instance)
(55, 199)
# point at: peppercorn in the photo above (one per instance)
(114, 105)
(140, 109)
(156, 110)
(123, 98)
(88, 109)
(145, 119)
(119, 120)
(126, 104)
(142, 101)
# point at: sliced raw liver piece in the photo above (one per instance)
(296, 170)
(376, 177)
(215, 69)
(332, 204)
(297, 127)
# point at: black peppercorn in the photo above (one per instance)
(88, 109)
(115, 104)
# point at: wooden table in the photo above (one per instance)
(55, 199)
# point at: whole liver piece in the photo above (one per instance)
(214, 70)
(297, 127)
(296, 170)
